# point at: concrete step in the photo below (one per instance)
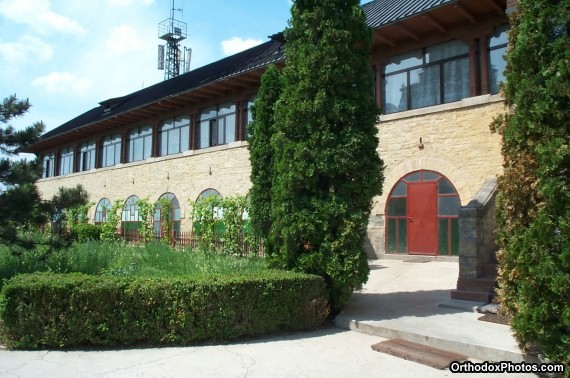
(473, 296)
(423, 354)
(485, 343)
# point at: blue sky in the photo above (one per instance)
(68, 55)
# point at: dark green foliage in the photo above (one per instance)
(260, 150)
(534, 201)
(47, 310)
(86, 231)
(67, 207)
(326, 166)
(20, 204)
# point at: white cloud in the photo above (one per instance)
(124, 39)
(63, 82)
(25, 50)
(38, 15)
(237, 44)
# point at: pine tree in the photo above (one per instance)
(326, 168)
(260, 151)
(534, 192)
(20, 204)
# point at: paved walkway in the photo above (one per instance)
(404, 295)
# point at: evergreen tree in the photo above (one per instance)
(20, 204)
(260, 150)
(326, 168)
(534, 192)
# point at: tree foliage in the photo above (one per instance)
(326, 168)
(260, 150)
(20, 203)
(534, 201)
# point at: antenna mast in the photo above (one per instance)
(170, 57)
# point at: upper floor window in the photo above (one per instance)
(86, 156)
(48, 165)
(111, 150)
(174, 136)
(248, 116)
(139, 143)
(66, 161)
(497, 50)
(217, 125)
(426, 77)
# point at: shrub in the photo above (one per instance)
(533, 207)
(50, 310)
(86, 231)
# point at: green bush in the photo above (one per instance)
(533, 208)
(85, 231)
(57, 311)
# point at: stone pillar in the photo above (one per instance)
(477, 232)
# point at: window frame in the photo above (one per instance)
(408, 69)
(66, 161)
(141, 134)
(86, 152)
(214, 121)
(109, 143)
(494, 86)
(168, 128)
(103, 206)
(48, 165)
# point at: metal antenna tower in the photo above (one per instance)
(170, 57)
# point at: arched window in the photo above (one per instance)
(174, 215)
(422, 215)
(217, 212)
(130, 220)
(101, 210)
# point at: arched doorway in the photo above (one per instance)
(422, 215)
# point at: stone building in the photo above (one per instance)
(437, 66)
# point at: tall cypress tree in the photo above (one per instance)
(326, 168)
(20, 204)
(260, 150)
(534, 192)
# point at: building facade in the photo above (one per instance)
(437, 66)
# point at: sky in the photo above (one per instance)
(66, 56)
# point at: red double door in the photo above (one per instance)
(422, 218)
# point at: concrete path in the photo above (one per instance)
(410, 299)
(388, 301)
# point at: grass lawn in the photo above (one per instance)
(149, 260)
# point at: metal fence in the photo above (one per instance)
(190, 240)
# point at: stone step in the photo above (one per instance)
(473, 296)
(423, 354)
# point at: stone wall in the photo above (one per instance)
(224, 168)
(456, 141)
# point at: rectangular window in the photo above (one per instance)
(248, 116)
(497, 50)
(111, 150)
(66, 161)
(87, 156)
(139, 144)
(217, 125)
(48, 165)
(174, 136)
(430, 76)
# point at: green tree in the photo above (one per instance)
(533, 208)
(69, 207)
(260, 151)
(20, 203)
(326, 166)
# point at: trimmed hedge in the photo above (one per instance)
(57, 311)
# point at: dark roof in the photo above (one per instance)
(382, 12)
(378, 13)
(269, 52)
